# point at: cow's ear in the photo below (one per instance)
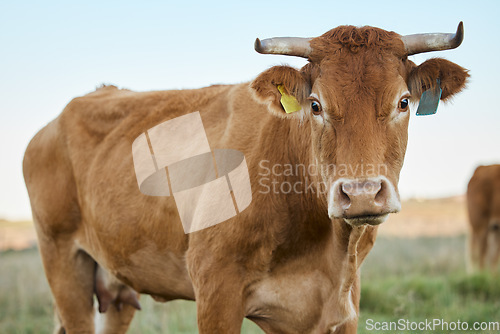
(452, 78)
(284, 89)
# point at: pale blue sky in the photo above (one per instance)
(53, 51)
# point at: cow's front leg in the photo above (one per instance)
(218, 287)
(219, 310)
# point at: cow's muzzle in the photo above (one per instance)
(363, 201)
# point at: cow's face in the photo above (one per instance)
(483, 197)
(359, 113)
(355, 97)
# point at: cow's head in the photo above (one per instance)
(355, 96)
(483, 200)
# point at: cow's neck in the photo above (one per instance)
(345, 302)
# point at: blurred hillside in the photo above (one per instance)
(439, 217)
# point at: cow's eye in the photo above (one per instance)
(316, 107)
(495, 227)
(403, 105)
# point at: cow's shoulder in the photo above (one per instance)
(486, 173)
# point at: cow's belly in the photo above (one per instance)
(153, 268)
(161, 274)
(305, 302)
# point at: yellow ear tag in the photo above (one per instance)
(289, 103)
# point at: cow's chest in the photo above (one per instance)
(300, 302)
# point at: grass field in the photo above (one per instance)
(408, 275)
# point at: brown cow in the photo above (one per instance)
(483, 202)
(290, 261)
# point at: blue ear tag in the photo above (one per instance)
(430, 100)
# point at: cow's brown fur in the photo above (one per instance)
(483, 199)
(282, 262)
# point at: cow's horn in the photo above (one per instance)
(420, 43)
(289, 46)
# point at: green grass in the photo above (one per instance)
(424, 279)
(25, 300)
(401, 279)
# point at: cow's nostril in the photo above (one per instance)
(495, 227)
(344, 199)
(382, 194)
